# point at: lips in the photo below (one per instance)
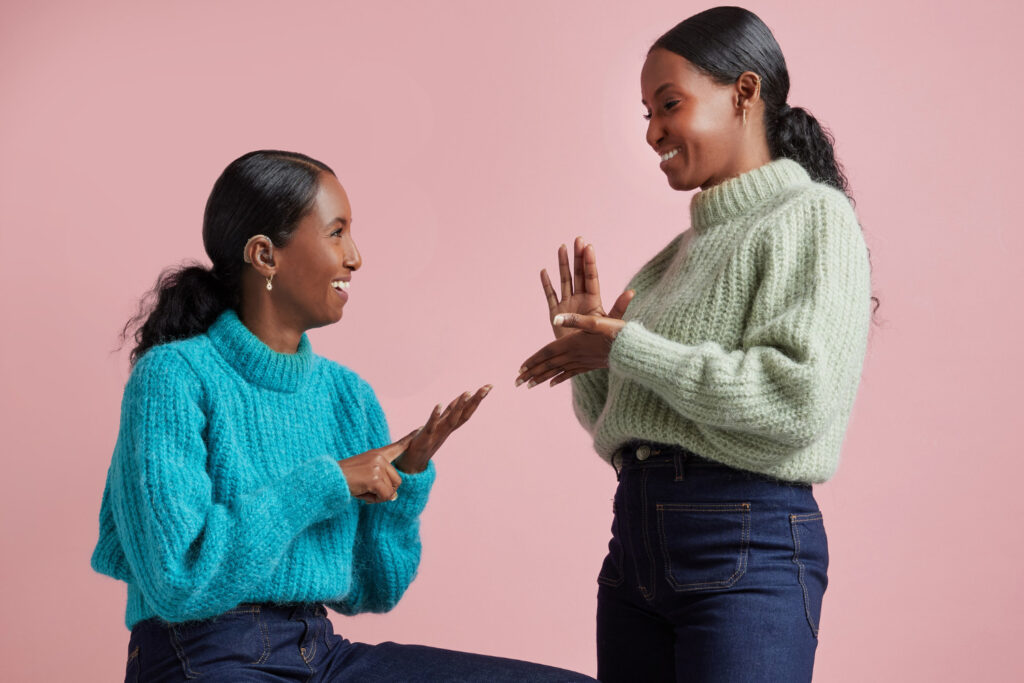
(670, 154)
(340, 288)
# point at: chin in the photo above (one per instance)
(680, 184)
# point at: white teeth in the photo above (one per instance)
(340, 284)
(668, 155)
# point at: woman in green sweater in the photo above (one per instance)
(720, 384)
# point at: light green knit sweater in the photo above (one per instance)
(746, 338)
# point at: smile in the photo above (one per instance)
(668, 155)
(340, 285)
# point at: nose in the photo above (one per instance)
(655, 134)
(353, 259)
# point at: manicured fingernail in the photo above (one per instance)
(522, 370)
(559, 319)
(519, 381)
(532, 384)
(395, 497)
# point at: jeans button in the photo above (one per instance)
(643, 452)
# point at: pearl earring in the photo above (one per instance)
(269, 285)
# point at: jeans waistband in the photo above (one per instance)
(640, 454)
(287, 612)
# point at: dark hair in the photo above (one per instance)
(264, 192)
(726, 41)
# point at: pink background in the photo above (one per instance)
(473, 138)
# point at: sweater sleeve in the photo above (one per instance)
(191, 556)
(590, 389)
(800, 346)
(589, 393)
(387, 549)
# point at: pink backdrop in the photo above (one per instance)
(472, 138)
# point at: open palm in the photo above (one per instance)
(581, 289)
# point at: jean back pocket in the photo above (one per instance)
(705, 545)
(810, 555)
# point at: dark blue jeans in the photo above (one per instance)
(298, 643)
(712, 574)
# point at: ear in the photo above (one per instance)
(259, 251)
(748, 90)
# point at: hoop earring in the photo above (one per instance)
(270, 286)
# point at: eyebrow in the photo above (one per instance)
(657, 92)
(343, 221)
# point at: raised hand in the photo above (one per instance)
(573, 354)
(371, 475)
(581, 289)
(438, 428)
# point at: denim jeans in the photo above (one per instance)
(297, 643)
(712, 574)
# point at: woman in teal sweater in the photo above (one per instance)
(721, 383)
(254, 482)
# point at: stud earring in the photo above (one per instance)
(270, 286)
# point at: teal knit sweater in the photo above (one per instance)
(746, 338)
(224, 485)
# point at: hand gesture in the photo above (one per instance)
(580, 293)
(371, 476)
(438, 428)
(573, 354)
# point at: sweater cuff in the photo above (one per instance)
(314, 491)
(413, 493)
(635, 354)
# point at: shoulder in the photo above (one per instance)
(163, 378)
(167, 363)
(824, 202)
(344, 379)
(809, 212)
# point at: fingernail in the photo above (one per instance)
(395, 497)
(519, 381)
(559, 319)
(532, 384)
(522, 370)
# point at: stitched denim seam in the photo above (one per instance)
(601, 578)
(133, 661)
(741, 564)
(312, 650)
(795, 520)
(265, 632)
(182, 657)
(648, 595)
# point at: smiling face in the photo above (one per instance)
(315, 267)
(695, 125)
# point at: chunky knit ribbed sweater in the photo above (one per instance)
(746, 338)
(224, 485)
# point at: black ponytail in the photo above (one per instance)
(724, 42)
(265, 192)
(795, 134)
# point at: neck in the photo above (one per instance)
(265, 321)
(748, 158)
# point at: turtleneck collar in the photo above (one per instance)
(255, 361)
(736, 196)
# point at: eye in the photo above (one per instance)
(338, 232)
(670, 105)
(647, 116)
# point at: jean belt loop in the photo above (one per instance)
(680, 463)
